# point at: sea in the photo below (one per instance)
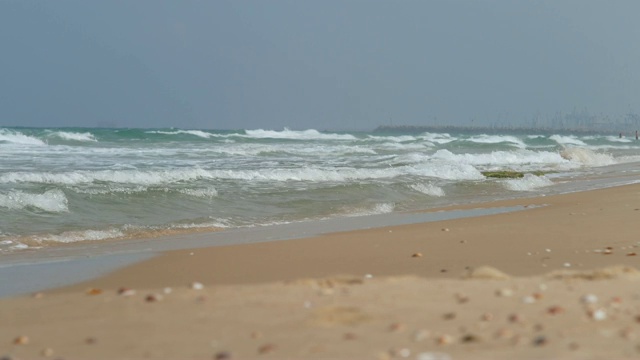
(60, 186)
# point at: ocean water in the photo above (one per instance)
(66, 185)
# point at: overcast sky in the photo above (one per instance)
(319, 64)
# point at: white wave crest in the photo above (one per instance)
(503, 158)
(428, 189)
(527, 183)
(148, 177)
(72, 136)
(586, 157)
(201, 193)
(15, 137)
(310, 134)
(447, 170)
(198, 133)
(618, 139)
(437, 138)
(381, 208)
(74, 236)
(497, 139)
(567, 140)
(52, 201)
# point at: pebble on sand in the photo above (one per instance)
(94, 291)
(267, 348)
(197, 286)
(21, 340)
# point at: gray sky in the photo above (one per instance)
(314, 64)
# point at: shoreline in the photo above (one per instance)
(555, 280)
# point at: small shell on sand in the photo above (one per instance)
(598, 314)
(487, 272)
(504, 292)
(416, 255)
(444, 339)
(515, 318)
(223, 355)
(93, 291)
(445, 229)
(350, 336)
(21, 340)
(487, 317)
(197, 286)
(421, 335)
(267, 348)
(540, 340)
(555, 310)
(123, 291)
(153, 298)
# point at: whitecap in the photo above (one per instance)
(16, 137)
(428, 189)
(51, 200)
(527, 183)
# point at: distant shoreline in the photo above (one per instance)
(495, 130)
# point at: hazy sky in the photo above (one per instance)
(319, 64)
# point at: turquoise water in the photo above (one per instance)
(77, 184)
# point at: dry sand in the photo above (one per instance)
(425, 291)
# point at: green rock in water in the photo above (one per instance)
(503, 174)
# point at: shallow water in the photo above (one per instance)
(61, 186)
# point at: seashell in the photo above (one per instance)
(417, 255)
(598, 314)
(449, 316)
(421, 335)
(589, 299)
(540, 340)
(528, 300)
(47, 352)
(445, 229)
(444, 339)
(504, 292)
(470, 338)
(94, 291)
(123, 291)
(153, 298)
(197, 286)
(516, 318)
(223, 355)
(486, 317)
(267, 348)
(21, 340)
(504, 334)
(555, 310)
(350, 336)
(462, 298)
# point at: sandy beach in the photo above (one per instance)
(556, 280)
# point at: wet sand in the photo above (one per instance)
(525, 284)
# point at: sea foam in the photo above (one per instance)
(73, 136)
(527, 183)
(51, 201)
(310, 134)
(16, 137)
(586, 157)
(428, 189)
